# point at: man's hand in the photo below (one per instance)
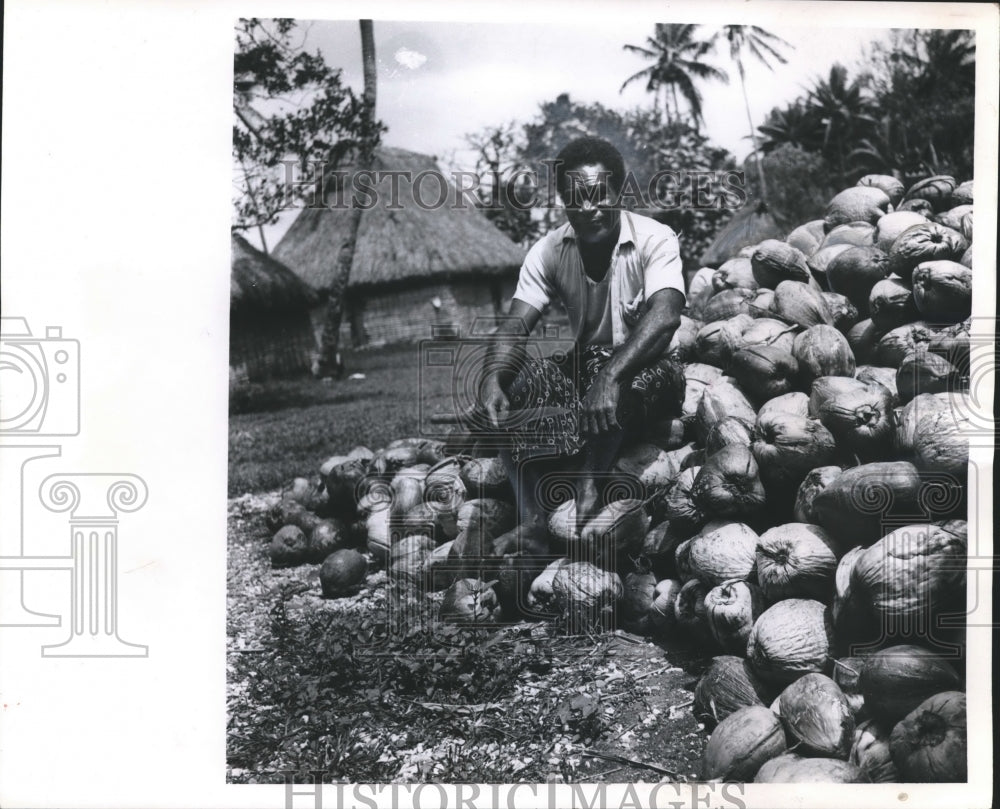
(600, 405)
(493, 400)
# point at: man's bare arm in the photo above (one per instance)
(647, 342)
(501, 365)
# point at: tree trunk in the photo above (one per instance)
(329, 353)
(758, 157)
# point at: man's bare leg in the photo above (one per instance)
(599, 454)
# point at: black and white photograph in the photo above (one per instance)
(552, 404)
(600, 403)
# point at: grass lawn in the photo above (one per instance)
(286, 429)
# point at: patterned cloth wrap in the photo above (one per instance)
(655, 393)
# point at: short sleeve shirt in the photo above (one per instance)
(645, 260)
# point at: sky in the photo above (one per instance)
(439, 81)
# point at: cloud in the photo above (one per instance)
(409, 58)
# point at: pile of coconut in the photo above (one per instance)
(803, 522)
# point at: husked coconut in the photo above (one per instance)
(342, 572)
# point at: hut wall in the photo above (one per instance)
(270, 348)
(406, 314)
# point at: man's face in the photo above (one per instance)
(590, 203)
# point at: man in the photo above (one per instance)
(619, 277)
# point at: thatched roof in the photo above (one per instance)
(394, 246)
(261, 285)
(750, 225)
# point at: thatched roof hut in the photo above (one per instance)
(269, 329)
(424, 255)
(750, 225)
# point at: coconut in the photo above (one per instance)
(409, 557)
(931, 744)
(760, 306)
(347, 483)
(953, 218)
(659, 547)
(729, 486)
(650, 466)
(541, 597)
(775, 261)
(892, 187)
(953, 344)
(937, 190)
(439, 568)
(790, 768)
(790, 404)
(939, 432)
(327, 537)
(716, 341)
(923, 372)
(861, 203)
(896, 680)
(855, 234)
(927, 241)
(668, 434)
(820, 261)
(917, 205)
(815, 481)
(961, 194)
(862, 337)
(342, 572)
(791, 638)
(800, 304)
(470, 601)
(619, 527)
(678, 505)
(764, 371)
(289, 547)
(786, 447)
(807, 237)
(737, 273)
(728, 431)
(854, 271)
(870, 752)
(585, 594)
(858, 414)
(661, 615)
(797, 560)
(897, 343)
(638, 592)
(942, 291)
(486, 477)
(327, 466)
(493, 516)
(728, 685)
(697, 377)
(891, 304)
(845, 314)
(291, 512)
(892, 225)
(847, 675)
(911, 574)
(847, 611)
(816, 715)
(727, 304)
(856, 504)
(886, 377)
(407, 491)
(719, 553)
(822, 351)
(741, 744)
(689, 608)
(731, 610)
(767, 331)
(719, 400)
(435, 519)
(443, 485)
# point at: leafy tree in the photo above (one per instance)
(679, 59)
(763, 46)
(796, 125)
(288, 104)
(923, 84)
(845, 110)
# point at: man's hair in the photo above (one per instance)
(588, 151)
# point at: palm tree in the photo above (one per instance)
(329, 355)
(679, 61)
(763, 46)
(845, 113)
(796, 125)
